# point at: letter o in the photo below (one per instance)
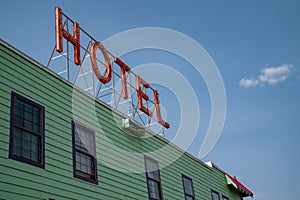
(104, 79)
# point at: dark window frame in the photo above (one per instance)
(13, 125)
(186, 194)
(151, 179)
(77, 174)
(225, 197)
(213, 191)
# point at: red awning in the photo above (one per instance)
(237, 185)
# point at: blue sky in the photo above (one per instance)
(256, 47)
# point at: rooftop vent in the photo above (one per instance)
(133, 128)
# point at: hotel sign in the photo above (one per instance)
(141, 86)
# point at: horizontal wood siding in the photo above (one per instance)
(64, 103)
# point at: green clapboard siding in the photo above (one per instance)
(114, 147)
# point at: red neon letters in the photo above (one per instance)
(104, 79)
(75, 40)
(60, 33)
(158, 115)
(142, 95)
(124, 68)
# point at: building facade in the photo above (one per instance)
(58, 142)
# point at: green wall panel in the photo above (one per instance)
(64, 103)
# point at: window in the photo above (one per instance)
(84, 153)
(188, 188)
(26, 131)
(153, 179)
(224, 197)
(215, 195)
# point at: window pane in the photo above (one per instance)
(84, 141)
(153, 178)
(36, 113)
(17, 142)
(84, 153)
(18, 137)
(188, 189)
(152, 169)
(27, 107)
(35, 147)
(188, 197)
(36, 129)
(28, 116)
(34, 156)
(26, 143)
(28, 125)
(19, 121)
(18, 151)
(151, 165)
(154, 175)
(36, 119)
(154, 189)
(19, 104)
(19, 110)
(215, 195)
(25, 140)
(84, 163)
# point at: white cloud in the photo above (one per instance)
(247, 83)
(269, 76)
